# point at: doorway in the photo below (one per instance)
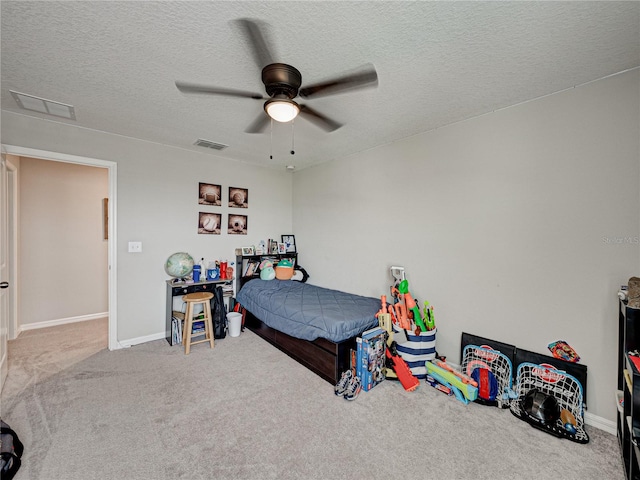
(111, 215)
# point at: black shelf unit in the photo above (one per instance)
(628, 420)
(175, 289)
(241, 263)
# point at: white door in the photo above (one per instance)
(4, 268)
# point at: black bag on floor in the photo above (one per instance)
(11, 449)
(219, 315)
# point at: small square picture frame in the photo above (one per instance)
(209, 223)
(273, 247)
(282, 248)
(209, 194)
(247, 251)
(238, 197)
(237, 224)
(290, 242)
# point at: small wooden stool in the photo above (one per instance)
(192, 299)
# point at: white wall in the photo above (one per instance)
(501, 222)
(63, 262)
(498, 220)
(157, 204)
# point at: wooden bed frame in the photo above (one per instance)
(325, 358)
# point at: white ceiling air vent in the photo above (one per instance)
(37, 104)
(209, 144)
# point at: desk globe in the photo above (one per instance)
(179, 265)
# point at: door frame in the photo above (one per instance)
(112, 241)
(12, 210)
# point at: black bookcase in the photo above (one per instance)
(242, 260)
(628, 421)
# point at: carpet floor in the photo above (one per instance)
(245, 410)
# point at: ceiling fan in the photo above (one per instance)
(283, 83)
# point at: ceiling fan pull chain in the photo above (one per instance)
(271, 143)
(292, 137)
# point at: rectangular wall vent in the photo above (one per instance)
(208, 144)
(42, 105)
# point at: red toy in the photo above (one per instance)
(408, 381)
(563, 351)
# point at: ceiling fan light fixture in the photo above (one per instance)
(281, 109)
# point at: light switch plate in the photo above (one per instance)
(135, 247)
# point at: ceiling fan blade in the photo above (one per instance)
(185, 87)
(257, 33)
(259, 124)
(366, 76)
(319, 119)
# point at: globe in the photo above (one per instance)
(179, 265)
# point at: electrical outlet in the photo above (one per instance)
(135, 247)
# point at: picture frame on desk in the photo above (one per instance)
(290, 242)
(248, 251)
(273, 247)
(282, 248)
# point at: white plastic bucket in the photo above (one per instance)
(235, 323)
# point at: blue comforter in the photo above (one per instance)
(308, 312)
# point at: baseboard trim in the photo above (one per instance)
(138, 340)
(62, 321)
(601, 423)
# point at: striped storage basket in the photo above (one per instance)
(417, 350)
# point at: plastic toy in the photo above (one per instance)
(488, 388)
(568, 420)
(266, 270)
(401, 315)
(563, 351)
(384, 319)
(494, 373)
(408, 381)
(415, 343)
(464, 378)
(462, 386)
(410, 303)
(541, 407)
(429, 318)
(437, 381)
(438, 386)
(553, 391)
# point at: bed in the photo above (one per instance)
(315, 326)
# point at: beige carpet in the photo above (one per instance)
(244, 410)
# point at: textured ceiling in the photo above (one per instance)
(437, 63)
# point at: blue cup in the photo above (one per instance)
(196, 273)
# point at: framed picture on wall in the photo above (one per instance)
(237, 224)
(209, 223)
(238, 197)
(209, 194)
(290, 242)
(105, 218)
